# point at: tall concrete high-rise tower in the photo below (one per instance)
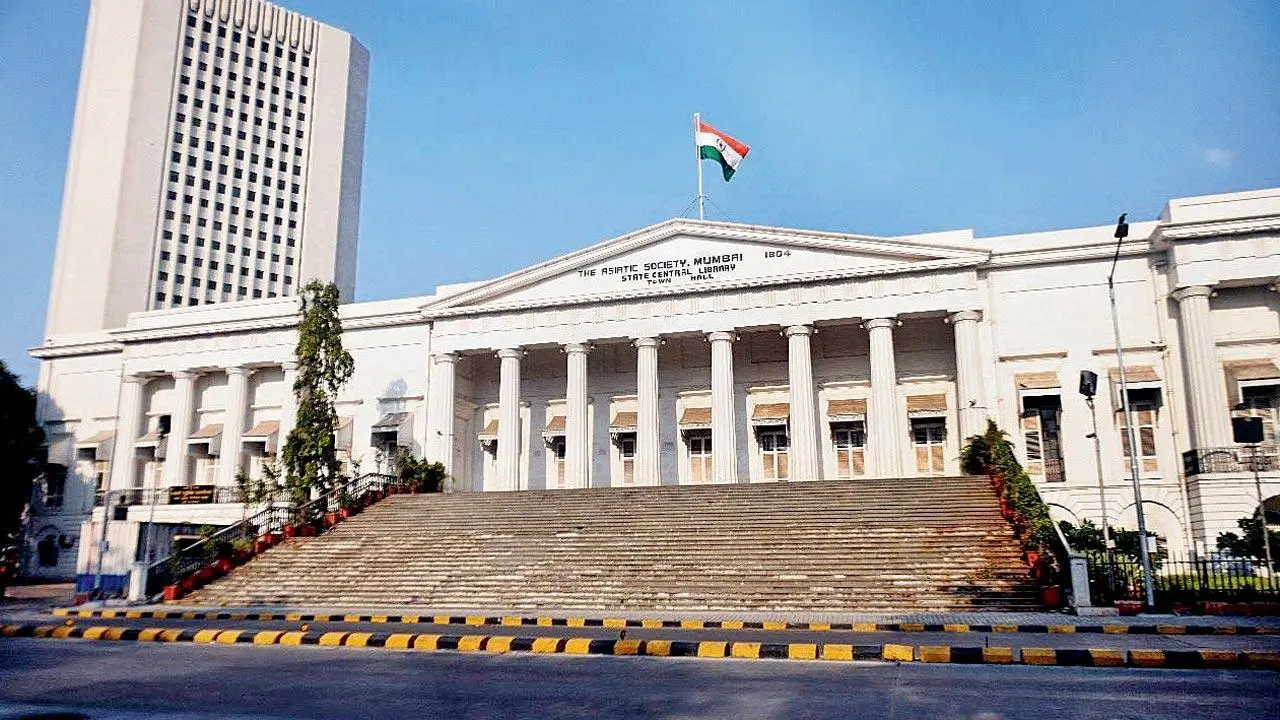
(216, 156)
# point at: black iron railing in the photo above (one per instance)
(1114, 577)
(1237, 459)
(273, 518)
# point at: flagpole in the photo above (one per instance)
(697, 157)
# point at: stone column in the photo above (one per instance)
(648, 466)
(724, 423)
(883, 424)
(175, 460)
(509, 419)
(1206, 387)
(577, 426)
(441, 411)
(804, 418)
(288, 403)
(233, 424)
(128, 425)
(969, 394)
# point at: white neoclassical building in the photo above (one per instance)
(702, 352)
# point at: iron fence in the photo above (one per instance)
(1238, 459)
(273, 518)
(1116, 576)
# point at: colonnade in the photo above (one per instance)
(886, 429)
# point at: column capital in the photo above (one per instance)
(964, 316)
(239, 370)
(510, 353)
(642, 342)
(798, 330)
(288, 365)
(184, 374)
(1193, 291)
(134, 379)
(722, 336)
(879, 323)
(577, 347)
(445, 358)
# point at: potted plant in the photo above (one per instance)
(242, 550)
(172, 592)
(331, 518)
(1051, 596)
(290, 530)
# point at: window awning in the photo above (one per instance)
(770, 414)
(490, 432)
(1135, 374)
(96, 446)
(209, 436)
(623, 422)
(555, 426)
(1254, 370)
(396, 427)
(696, 418)
(262, 431)
(1038, 381)
(846, 410)
(151, 439)
(267, 433)
(926, 405)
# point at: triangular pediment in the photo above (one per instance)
(688, 256)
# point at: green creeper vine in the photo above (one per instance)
(309, 458)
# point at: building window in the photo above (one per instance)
(850, 440)
(698, 443)
(55, 485)
(927, 438)
(556, 447)
(1144, 405)
(1041, 434)
(1262, 400)
(774, 453)
(626, 443)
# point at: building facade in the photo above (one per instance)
(701, 352)
(232, 134)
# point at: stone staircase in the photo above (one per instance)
(920, 544)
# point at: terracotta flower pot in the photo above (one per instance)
(172, 592)
(1129, 607)
(274, 539)
(224, 565)
(290, 531)
(307, 531)
(1033, 558)
(1051, 596)
(330, 519)
(345, 513)
(261, 545)
(188, 584)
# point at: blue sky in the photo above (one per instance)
(504, 133)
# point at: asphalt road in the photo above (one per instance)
(136, 680)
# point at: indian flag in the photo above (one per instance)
(719, 146)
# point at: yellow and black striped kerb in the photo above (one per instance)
(1190, 659)
(615, 622)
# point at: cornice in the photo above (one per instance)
(1017, 258)
(49, 352)
(1214, 228)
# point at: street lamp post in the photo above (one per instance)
(1122, 231)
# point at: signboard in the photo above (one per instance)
(686, 262)
(191, 494)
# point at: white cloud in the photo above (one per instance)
(1218, 157)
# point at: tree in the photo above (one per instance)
(310, 458)
(1249, 543)
(21, 440)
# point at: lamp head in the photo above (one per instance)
(1122, 227)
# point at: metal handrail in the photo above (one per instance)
(177, 566)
